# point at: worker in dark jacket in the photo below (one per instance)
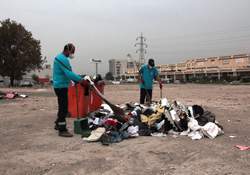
(62, 75)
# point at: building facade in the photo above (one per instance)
(234, 67)
(122, 67)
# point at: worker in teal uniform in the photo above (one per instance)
(62, 75)
(147, 74)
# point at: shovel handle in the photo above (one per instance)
(161, 93)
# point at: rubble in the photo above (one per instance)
(158, 119)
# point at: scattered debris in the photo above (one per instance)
(12, 95)
(95, 135)
(157, 134)
(159, 119)
(242, 148)
(23, 96)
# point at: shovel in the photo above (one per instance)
(119, 113)
(161, 93)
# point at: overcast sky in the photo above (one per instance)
(107, 29)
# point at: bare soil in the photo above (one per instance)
(30, 145)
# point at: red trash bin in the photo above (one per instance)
(88, 100)
(94, 100)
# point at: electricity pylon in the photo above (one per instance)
(142, 48)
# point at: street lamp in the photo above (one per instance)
(96, 62)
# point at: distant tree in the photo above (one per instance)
(19, 51)
(109, 76)
(35, 78)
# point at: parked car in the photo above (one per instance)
(26, 84)
(167, 80)
(131, 80)
(116, 82)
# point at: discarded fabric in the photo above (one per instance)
(95, 135)
(159, 119)
(242, 148)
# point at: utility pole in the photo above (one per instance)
(96, 62)
(142, 48)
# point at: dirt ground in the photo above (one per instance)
(30, 145)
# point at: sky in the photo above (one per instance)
(175, 30)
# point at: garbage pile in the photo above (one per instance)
(11, 95)
(157, 119)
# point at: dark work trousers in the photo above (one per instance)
(62, 99)
(145, 94)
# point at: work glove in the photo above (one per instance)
(87, 78)
(160, 85)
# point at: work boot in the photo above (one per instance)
(65, 134)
